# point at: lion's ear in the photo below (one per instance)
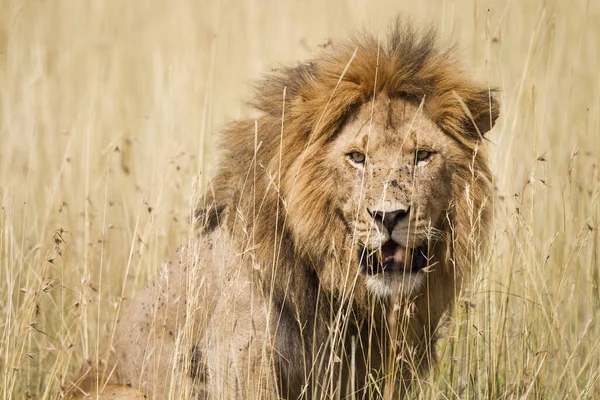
(484, 111)
(209, 212)
(208, 218)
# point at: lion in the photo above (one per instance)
(340, 228)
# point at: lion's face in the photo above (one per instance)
(393, 187)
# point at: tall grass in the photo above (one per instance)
(108, 110)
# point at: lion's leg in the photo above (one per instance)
(94, 375)
(238, 349)
(152, 344)
(111, 392)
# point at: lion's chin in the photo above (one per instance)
(397, 285)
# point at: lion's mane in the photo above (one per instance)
(304, 106)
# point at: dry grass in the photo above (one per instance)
(109, 109)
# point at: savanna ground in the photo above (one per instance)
(108, 111)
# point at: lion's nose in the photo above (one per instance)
(390, 218)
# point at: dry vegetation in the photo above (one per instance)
(108, 110)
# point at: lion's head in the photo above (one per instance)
(366, 174)
(393, 187)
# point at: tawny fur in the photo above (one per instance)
(270, 301)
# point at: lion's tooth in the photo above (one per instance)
(409, 257)
(399, 255)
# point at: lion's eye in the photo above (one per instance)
(357, 157)
(422, 156)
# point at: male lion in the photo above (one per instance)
(338, 230)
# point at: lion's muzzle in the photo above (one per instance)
(392, 257)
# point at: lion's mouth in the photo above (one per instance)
(392, 257)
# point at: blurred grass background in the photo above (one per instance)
(109, 110)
